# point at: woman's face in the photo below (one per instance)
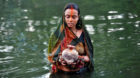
(71, 17)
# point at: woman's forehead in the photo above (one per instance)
(71, 12)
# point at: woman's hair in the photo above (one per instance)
(74, 6)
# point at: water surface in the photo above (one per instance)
(25, 27)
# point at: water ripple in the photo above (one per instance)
(6, 48)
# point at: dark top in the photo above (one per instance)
(82, 38)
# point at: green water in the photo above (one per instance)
(25, 27)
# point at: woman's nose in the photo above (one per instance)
(70, 18)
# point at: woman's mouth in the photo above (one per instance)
(70, 24)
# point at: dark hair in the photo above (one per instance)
(74, 6)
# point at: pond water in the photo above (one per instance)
(25, 27)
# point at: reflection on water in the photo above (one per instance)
(115, 29)
(111, 12)
(89, 17)
(25, 27)
(90, 28)
(115, 17)
(6, 48)
(66, 75)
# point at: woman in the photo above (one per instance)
(70, 34)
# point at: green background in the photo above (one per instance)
(25, 27)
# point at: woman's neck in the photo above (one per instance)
(74, 29)
(76, 32)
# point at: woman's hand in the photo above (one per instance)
(70, 46)
(85, 58)
(63, 62)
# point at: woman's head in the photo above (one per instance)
(72, 16)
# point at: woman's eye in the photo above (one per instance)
(67, 16)
(74, 17)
